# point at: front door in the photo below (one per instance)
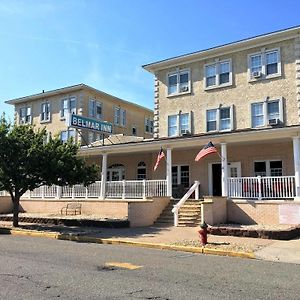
(215, 180)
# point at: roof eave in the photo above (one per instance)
(223, 49)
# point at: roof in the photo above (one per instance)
(69, 89)
(197, 140)
(222, 49)
(117, 139)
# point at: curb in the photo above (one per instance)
(108, 241)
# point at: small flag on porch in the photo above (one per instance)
(160, 156)
(208, 149)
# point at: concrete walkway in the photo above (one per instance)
(281, 251)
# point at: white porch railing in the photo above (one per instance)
(281, 187)
(126, 189)
(4, 193)
(136, 189)
(175, 210)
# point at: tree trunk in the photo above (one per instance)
(16, 201)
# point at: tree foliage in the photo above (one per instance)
(28, 162)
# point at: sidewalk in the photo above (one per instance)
(169, 237)
(282, 251)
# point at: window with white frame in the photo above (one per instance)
(268, 168)
(25, 115)
(179, 82)
(119, 116)
(148, 125)
(67, 134)
(179, 124)
(218, 74)
(219, 119)
(265, 64)
(45, 112)
(95, 109)
(267, 113)
(181, 176)
(141, 171)
(68, 105)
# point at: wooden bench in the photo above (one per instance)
(71, 209)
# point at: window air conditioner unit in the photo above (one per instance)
(184, 89)
(185, 132)
(256, 74)
(273, 122)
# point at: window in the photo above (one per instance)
(95, 109)
(67, 134)
(116, 172)
(172, 126)
(181, 175)
(141, 171)
(220, 119)
(179, 124)
(94, 136)
(119, 116)
(268, 168)
(269, 112)
(25, 115)
(265, 64)
(68, 105)
(179, 82)
(45, 112)
(148, 125)
(218, 74)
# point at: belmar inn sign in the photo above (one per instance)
(81, 122)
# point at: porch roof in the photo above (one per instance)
(263, 135)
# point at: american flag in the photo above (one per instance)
(208, 149)
(160, 156)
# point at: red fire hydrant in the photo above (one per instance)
(203, 233)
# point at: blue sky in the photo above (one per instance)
(103, 43)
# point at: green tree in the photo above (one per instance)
(27, 162)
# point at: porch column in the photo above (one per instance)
(296, 148)
(103, 176)
(224, 171)
(169, 172)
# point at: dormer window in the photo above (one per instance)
(179, 82)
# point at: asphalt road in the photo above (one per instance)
(37, 268)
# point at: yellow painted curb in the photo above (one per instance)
(108, 241)
(228, 253)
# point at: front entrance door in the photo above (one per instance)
(215, 179)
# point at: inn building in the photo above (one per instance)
(244, 97)
(50, 109)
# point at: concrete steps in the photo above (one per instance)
(189, 214)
